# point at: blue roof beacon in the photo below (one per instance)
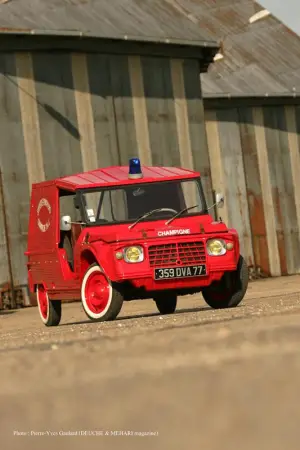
(135, 170)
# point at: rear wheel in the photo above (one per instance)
(50, 310)
(230, 290)
(166, 303)
(100, 301)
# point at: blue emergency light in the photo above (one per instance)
(135, 170)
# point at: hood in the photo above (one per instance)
(157, 229)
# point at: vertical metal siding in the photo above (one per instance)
(15, 178)
(140, 109)
(123, 107)
(294, 145)
(60, 136)
(215, 159)
(259, 166)
(63, 113)
(236, 196)
(30, 117)
(282, 187)
(160, 111)
(254, 190)
(264, 174)
(13, 162)
(85, 120)
(182, 123)
(102, 103)
(196, 123)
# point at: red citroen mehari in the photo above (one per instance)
(126, 233)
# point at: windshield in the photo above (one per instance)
(129, 203)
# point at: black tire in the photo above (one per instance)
(219, 295)
(50, 310)
(166, 303)
(54, 313)
(114, 298)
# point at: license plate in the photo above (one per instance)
(180, 272)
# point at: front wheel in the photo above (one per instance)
(100, 301)
(230, 290)
(50, 310)
(166, 303)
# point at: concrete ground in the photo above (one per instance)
(199, 379)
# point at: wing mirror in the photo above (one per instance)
(220, 200)
(65, 223)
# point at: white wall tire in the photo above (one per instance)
(99, 299)
(50, 311)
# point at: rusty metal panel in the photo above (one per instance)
(234, 176)
(14, 173)
(60, 138)
(254, 191)
(282, 188)
(290, 220)
(161, 111)
(196, 120)
(103, 110)
(122, 108)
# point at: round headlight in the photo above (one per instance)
(133, 254)
(216, 247)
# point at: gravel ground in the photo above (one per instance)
(198, 379)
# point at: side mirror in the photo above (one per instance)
(220, 200)
(65, 223)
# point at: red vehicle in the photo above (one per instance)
(119, 234)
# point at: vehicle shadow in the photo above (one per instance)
(179, 311)
(6, 312)
(141, 315)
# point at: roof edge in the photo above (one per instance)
(130, 38)
(224, 95)
(203, 51)
(251, 100)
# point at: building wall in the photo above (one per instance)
(62, 113)
(255, 161)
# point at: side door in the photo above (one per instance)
(43, 262)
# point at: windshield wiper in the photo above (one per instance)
(146, 215)
(179, 213)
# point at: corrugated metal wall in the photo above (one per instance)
(255, 161)
(64, 113)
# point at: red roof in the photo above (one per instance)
(118, 175)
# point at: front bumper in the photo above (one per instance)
(150, 284)
(141, 275)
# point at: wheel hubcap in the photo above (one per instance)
(97, 291)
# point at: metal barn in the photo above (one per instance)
(73, 101)
(252, 113)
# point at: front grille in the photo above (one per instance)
(182, 253)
